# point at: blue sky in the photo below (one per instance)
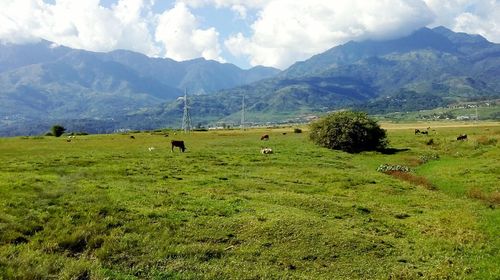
(247, 33)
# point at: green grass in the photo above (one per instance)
(105, 207)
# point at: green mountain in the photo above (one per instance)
(43, 83)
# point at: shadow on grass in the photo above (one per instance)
(392, 151)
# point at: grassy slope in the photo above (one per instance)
(104, 206)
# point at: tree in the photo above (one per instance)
(57, 130)
(348, 131)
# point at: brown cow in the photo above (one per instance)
(264, 137)
(179, 144)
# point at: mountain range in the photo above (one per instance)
(43, 83)
(426, 69)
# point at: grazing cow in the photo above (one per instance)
(462, 137)
(264, 137)
(179, 144)
(132, 137)
(266, 151)
(418, 131)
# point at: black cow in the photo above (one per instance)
(179, 144)
(418, 131)
(462, 137)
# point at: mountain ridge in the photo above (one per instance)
(436, 64)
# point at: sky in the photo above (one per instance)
(246, 33)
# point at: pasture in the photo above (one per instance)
(109, 207)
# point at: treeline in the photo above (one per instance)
(41, 127)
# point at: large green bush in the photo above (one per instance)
(348, 131)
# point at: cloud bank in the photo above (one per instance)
(279, 32)
(287, 31)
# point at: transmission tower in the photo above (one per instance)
(186, 118)
(243, 113)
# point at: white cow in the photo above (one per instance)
(266, 151)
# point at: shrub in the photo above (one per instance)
(57, 130)
(348, 131)
(384, 168)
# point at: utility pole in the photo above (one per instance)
(243, 113)
(186, 118)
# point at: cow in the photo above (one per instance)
(264, 137)
(132, 137)
(462, 137)
(266, 151)
(179, 144)
(418, 131)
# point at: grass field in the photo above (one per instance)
(105, 207)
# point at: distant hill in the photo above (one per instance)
(44, 82)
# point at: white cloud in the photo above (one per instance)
(282, 31)
(78, 24)
(178, 31)
(240, 10)
(287, 31)
(17, 21)
(249, 4)
(470, 16)
(239, 7)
